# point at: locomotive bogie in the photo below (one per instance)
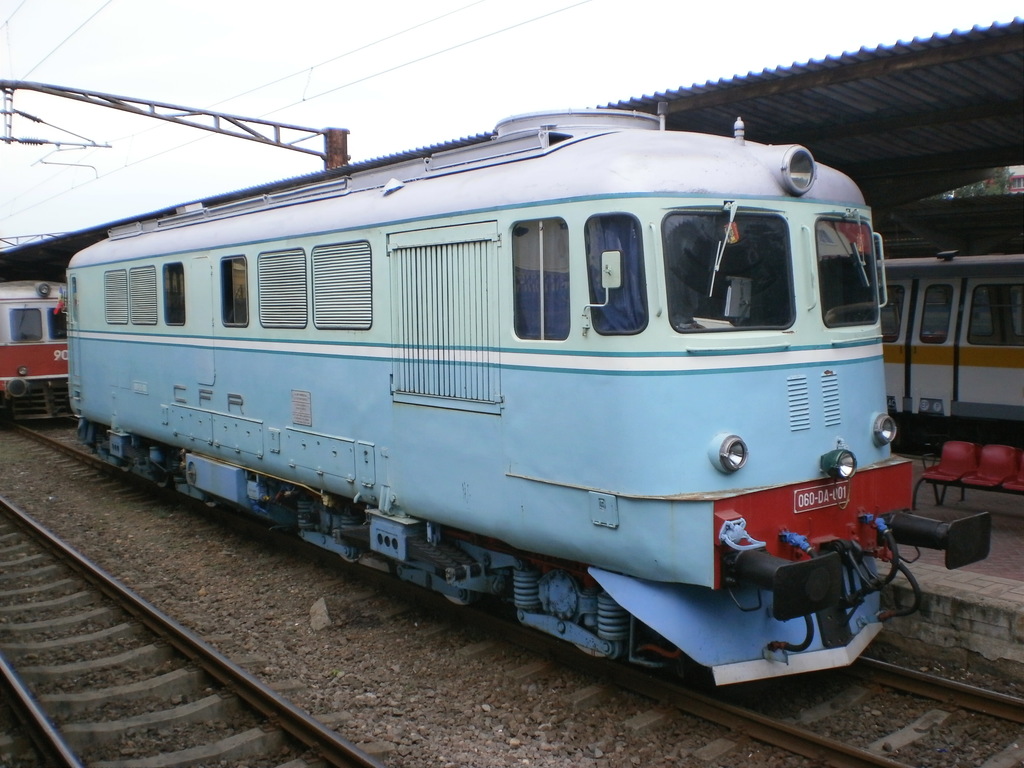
(601, 373)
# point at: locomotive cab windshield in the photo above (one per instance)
(728, 270)
(847, 272)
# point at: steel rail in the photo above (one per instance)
(741, 720)
(330, 747)
(762, 728)
(965, 696)
(37, 723)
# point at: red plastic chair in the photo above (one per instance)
(996, 465)
(958, 458)
(1017, 483)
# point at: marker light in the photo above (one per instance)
(839, 464)
(884, 429)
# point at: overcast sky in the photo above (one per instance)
(399, 74)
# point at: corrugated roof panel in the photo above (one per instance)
(905, 120)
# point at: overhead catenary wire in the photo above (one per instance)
(305, 99)
(61, 44)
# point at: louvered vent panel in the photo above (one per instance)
(115, 296)
(342, 286)
(799, 403)
(830, 398)
(282, 286)
(445, 326)
(142, 291)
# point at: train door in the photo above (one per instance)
(895, 325)
(74, 345)
(932, 348)
(990, 369)
(207, 290)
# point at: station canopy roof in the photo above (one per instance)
(907, 122)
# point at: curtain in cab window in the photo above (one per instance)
(624, 308)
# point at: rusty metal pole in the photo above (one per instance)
(335, 147)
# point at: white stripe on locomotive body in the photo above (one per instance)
(580, 362)
(525, 467)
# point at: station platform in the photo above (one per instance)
(979, 607)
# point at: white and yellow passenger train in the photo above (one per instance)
(953, 330)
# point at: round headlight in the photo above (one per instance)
(729, 453)
(23, 370)
(798, 170)
(17, 387)
(839, 464)
(884, 429)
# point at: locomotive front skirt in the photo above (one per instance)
(628, 380)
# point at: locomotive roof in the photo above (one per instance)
(533, 158)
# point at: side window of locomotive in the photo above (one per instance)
(342, 286)
(234, 291)
(26, 325)
(996, 315)
(115, 297)
(846, 273)
(281, 277)
(723, 275)
(58, 322)
(142, 293)
(938, 305)
(174, 293)
(892, 314)
(620, 310)
(540, 263)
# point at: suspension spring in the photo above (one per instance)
(612, 619)
(526, 590)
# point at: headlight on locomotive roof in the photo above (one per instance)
(884, 429)
(839, 464)
(728, 453)
(798, 170)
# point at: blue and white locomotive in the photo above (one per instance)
(629, 380)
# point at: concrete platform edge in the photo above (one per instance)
(973, 612)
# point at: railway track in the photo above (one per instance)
(96, 674)
(903, 718)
